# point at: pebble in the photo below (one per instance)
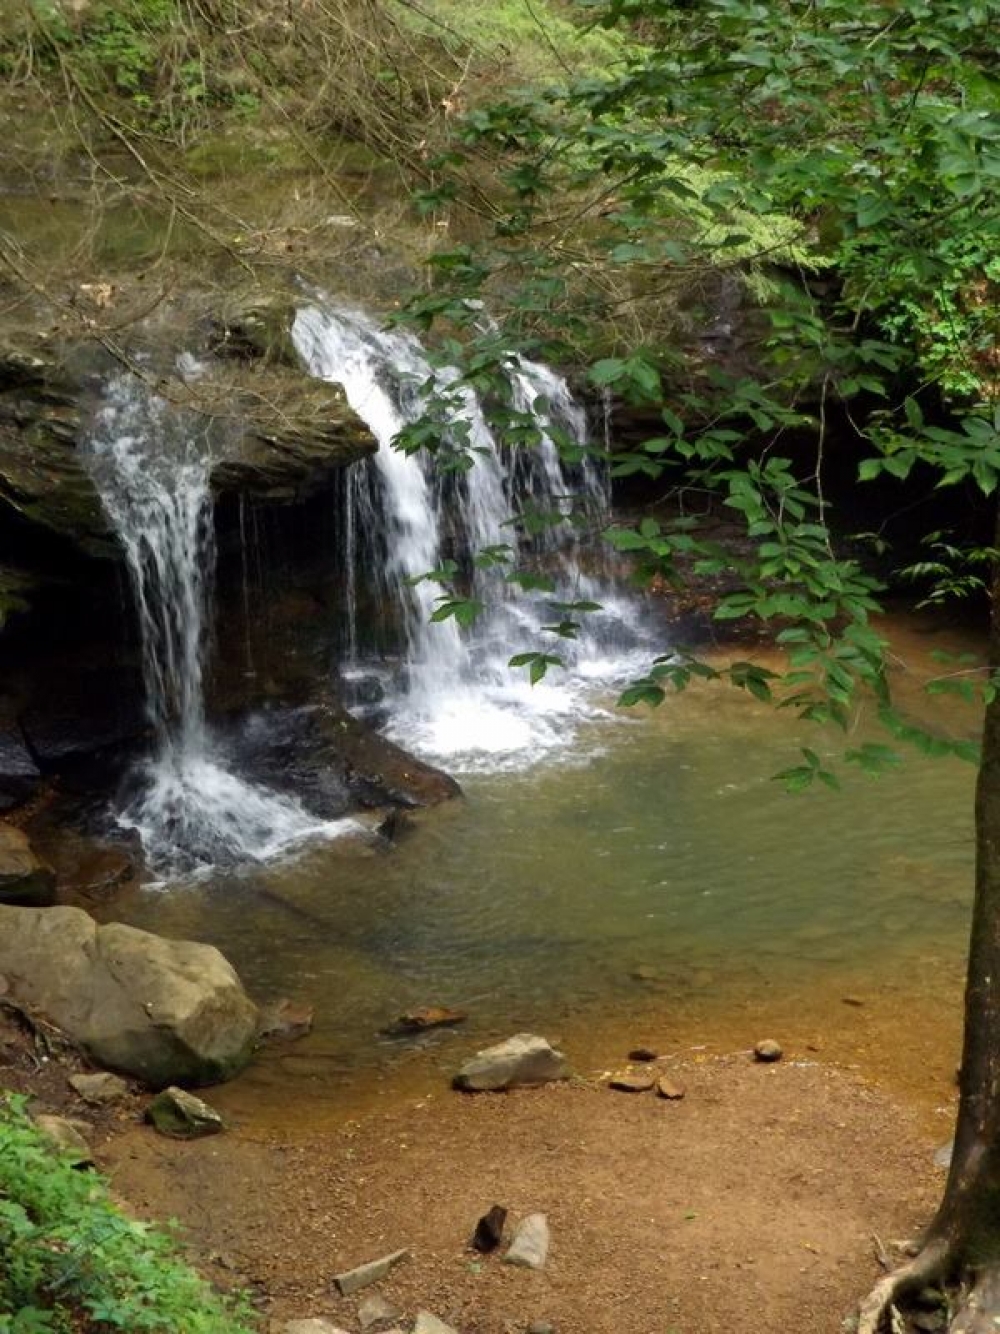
(540, 1327)
(66, 1138)
(100, 1088)
(374, 1310)
(768, 1050)
(631, 1083)
(430, 1324)
(312, 1326)
(530, 1245)
(642, 1054)
(353, 1280)
(489, 1230)
(666, 1088)
(643, 973)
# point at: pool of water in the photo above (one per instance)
(656, 885)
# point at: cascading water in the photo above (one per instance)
(460, 702)
(151, 464)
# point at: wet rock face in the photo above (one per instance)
(280, 433)
(42, 483)
(24, 878)
(20, 777)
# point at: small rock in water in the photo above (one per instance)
(767, 1051)
(627, 1083)
(666, 1088)
(430, 1324)
(285, 1020)
(181, 1115)
(642, 1054)
(375, 1313)
(643, 973)
(522, 1060)
(100, 1088)
(489, 1230)
(419, 1021)
(66, 1138)
(530, 1244)
(353, 1280)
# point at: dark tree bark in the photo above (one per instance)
(962, 1244)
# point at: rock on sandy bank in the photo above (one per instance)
(165, 1011)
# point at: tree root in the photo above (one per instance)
(978, 1310)
(878, 1308)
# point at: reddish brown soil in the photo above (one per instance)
(750, 1207)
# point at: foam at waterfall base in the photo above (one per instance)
(193, 816)
(505, 723)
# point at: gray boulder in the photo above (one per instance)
(165, 1011)
(522, 1060)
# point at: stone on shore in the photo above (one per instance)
(181, 1115)
(164, 1011)
(767, 1051)
(314, 1325)
(66, 1137)
(530, 1245)
(100, 1088)
(375, 1313)
(489, 1230)
(629, 1083)
(353, 1280)
(666, 1088)
(430, 1324)
(522, 1060)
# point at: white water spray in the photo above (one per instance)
(151, 464)
(461, 703)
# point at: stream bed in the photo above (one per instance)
(654, 886)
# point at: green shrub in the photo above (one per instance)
(70, 1260)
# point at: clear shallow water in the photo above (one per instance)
(661, 887)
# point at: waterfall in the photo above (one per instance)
(458, 701)
(151, 464)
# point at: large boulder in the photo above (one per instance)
(165, 1011)
(24, 878)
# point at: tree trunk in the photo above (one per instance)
(963, 1242)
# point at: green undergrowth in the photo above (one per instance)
(539, 39)
(70, 1261)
